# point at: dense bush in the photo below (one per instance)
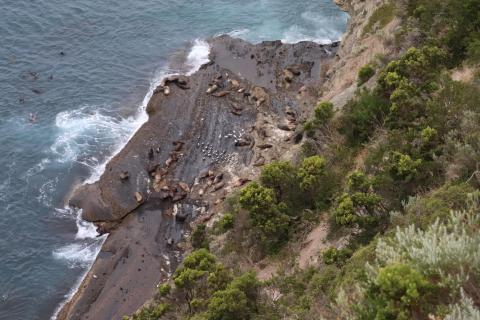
(360, 204)
(225, 223)
(284, 192)
(403, 167)
(164, 289)
(397, 292)
(365, 73)
(414, 267)
(323, 113)
(336, 256)
(199, 237)
(267, 214)
(237, 301)
(362, 116)
(453, 24)
(311, 172)
(279, 176)
(407, 83)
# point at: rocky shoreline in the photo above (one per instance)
(207, 135)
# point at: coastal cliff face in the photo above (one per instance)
(326, 231)
(207, 135)
(357, 49)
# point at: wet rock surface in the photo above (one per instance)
(206, 135)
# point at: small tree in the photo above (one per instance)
(397, 293)
(196, 268)
(279, 176)
(266, 214)
(311, 172)
(228, 304)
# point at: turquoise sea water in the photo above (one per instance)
(83, 69)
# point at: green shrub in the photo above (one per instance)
(336, 256)
(398, 292)
(225, 223)
(403, 167)
(311, 172)
(357, 208)
(279, 176)
(237, 301)
(152, 313)
(362, 115)
(266, 214)
(228, 304)
(345, 212)
(323, 112)
(198, 276)
(365, 73)
(358, 182)
(408, 82)
(422, 211)
(164, 290)
(428, 134)
(381, 17)
(199, 237)
(309, 127)
(452, 24)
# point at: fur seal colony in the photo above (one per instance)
(207, 135)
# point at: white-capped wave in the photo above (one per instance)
(296, 34)
(239, 33)
(198, 55)
(81, 131)
(318, 28)
(85, 229)
(78, 254)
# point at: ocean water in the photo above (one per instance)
(84, 70)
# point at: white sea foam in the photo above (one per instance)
(85, 229)
(83, 129)
(46, 192)
(198, 55)
(325, 29)
(77, 254)
(239, 33)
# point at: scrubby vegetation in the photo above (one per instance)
(365, 73)
(381, 17)
(395, 175)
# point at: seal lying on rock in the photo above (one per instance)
(221, 94)
(212, 88)
(179, 80)
(138, 197)
(259, 95)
